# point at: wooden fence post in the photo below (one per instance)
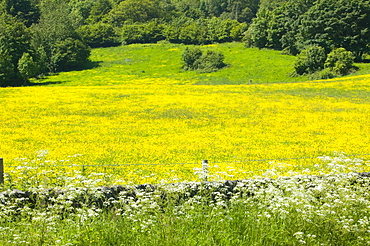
(205, 170)
(1, 171)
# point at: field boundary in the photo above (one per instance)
(204, 164)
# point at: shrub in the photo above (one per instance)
(190, 56)
(340, 61)
(310, 60)
(211, 61)
(70, 54)
(195, 59)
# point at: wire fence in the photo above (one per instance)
(190, 163)
(204, 165)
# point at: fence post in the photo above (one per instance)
(1, 171)
(205, 170)
(83, 169)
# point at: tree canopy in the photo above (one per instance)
(327, 23)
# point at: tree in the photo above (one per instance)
(70, 54)
(134, 11)
(278, 28)
(338, 23)
(149, 32)
(210, 61)
(99, 35)
(25, 11)
(258, 30)
(99, 11)
(27, 67)
(224, 30)
(14, 41)
(55, 38)
(7, 73)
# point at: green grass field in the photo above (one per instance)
(122, 65)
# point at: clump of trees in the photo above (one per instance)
(314, 60)
(326, 35)
(326, 23)
(204, 62)
(37, 38)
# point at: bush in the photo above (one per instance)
(340, 61)
(70, 54)
(211, 61)
(190, 56)
(310, 60)
(195, 59)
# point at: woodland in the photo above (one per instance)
(42, 37)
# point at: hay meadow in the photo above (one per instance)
(134, 117)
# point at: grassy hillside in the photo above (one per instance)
(137, 63)
(161, 64)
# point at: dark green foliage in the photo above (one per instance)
(210, 61)
(7, 73)
(330, 24)
(310, 60)
(240, 10)
(340, 61)
(278, 28)
(195, 59)
(14, 42)
(56, 40)
(80, 10)
(99, 11)
(224, 30)
(184, 30)
(190, 56)
(27, 67)
(70, 54)
(99, 35)
(14, 36)
(134, 11)
(150, 32)
(338, 23)
(258, 30)
(25, 11)
(203, 31)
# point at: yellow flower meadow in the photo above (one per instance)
(153, 121)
